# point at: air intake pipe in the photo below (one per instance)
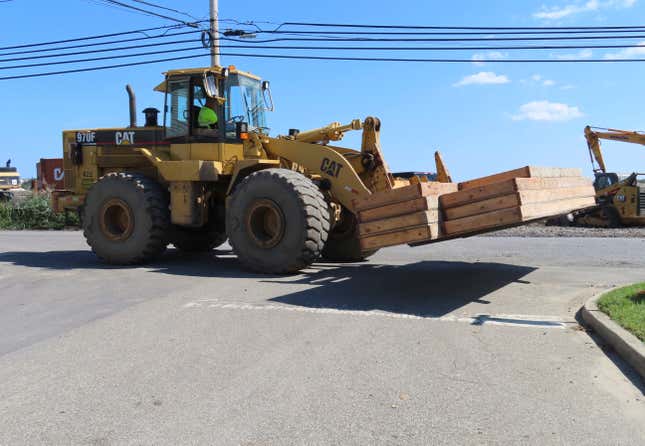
(133, 105)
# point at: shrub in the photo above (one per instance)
(33, 213)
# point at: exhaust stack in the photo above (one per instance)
(133, 105)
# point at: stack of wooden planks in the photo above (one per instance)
(402, 215)
(514, 197)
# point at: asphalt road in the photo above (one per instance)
(465, 342)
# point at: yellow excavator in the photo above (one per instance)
(620, 198)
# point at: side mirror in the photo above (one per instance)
(210, 85)
(266, 95)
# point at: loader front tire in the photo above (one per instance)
(277, 221)
(126, 219)
(343, 244)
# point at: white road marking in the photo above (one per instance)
(509, 320)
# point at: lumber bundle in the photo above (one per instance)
(514, 197)
(431, 211)
(402, 215)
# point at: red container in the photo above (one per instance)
(50, 173)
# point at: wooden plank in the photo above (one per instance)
(477, 194)
(551, 183)
(397, 223)
(405, 193)
(547, 195)
(523, 172)
(518, 214)
(507, 187)
(410, 235)
(483, 206)
(554, 172)
(541, 210)
(393, 210)
(488, 220)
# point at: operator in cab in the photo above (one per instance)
(207, 118)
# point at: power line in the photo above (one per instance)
(334, 48)
(106, 67)
(78, 39)
(103, 50)
(165, 8)
(466, 39)
(95, 59)
(387, 59)
(143, 11)
(434, 48)
(86, 45)
(490, 28)
(440, 33)
(329, 58)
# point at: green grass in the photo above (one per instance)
(627, 307)
(33, 213)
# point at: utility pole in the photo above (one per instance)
(214, 34)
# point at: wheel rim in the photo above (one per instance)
(117, 221)
(265, 223)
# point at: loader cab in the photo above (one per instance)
(239, 100)
(604, 180)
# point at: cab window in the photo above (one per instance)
(177, 108)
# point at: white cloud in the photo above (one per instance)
(628, 53)
(582, 54)
(483, 78)
(560, 12)
(538, 79)
(481, 58)
(547, 111)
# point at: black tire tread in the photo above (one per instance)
(314, 208)
(156, 206)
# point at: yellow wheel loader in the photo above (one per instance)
(282, 202)
(211, 172)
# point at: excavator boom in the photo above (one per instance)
(594, 135)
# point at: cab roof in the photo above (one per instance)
(192, 71)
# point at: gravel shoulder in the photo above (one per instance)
(541, 230)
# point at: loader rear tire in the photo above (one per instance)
(277, 221)
(343, 244)
(126, 219)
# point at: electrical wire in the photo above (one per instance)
(136, 39)
(78, 39)
(440, 33)
(165, 8)
(335, 48)
(143, 11)
(466, 39)
(95, 59)
(103, 50)
(328, 58)
(490, 28)
(106, 67)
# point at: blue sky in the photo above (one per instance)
(484, 117)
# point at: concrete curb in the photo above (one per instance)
(628, 346)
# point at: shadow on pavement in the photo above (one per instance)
(427, 288)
